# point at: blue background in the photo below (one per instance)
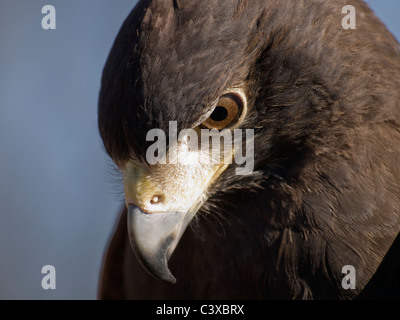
(57, 203)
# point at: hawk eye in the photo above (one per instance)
(226, 113)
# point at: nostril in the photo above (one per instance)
(156, 199)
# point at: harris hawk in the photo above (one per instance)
(323, 104)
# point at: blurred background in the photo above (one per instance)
(57, 203)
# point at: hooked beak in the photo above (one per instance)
(161, 202)
(153, 238)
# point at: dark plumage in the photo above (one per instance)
(325, 106)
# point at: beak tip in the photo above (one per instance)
(157, 268)
(171, 279)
